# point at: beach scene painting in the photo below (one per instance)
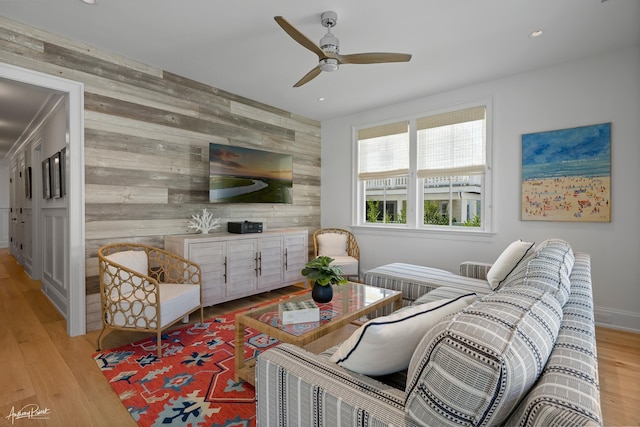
(244, 175)
(566, 174)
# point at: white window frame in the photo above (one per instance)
(414, 223)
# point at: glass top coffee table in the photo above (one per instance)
(350, 302)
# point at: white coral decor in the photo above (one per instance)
(205, 222)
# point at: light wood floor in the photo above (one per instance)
(41, 365)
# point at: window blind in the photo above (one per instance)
(383, 151)
(452, 144)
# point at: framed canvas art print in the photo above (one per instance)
(27, 182)
(54, 162)
(63, 172)
(46, 179)
(566, 174)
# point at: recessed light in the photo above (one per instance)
(90, 1)
(322, 98)
(536, 33)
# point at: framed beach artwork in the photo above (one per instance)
(566, 174)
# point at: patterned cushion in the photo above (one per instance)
(384, 345)
(443, 292)
(548, 268)
(298, 388)
(474, 269)
(416, 280)
(472, 368)
(566, 393)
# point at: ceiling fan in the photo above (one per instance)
(329, 58)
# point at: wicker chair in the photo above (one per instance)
(341, 245)
(146, 289)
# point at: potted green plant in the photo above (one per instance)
(320, 271)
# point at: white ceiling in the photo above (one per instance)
(238, 47)
(19, 105)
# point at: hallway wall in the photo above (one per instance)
(4, 205)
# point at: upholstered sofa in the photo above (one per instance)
(521, 353)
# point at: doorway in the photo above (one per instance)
(74, 252)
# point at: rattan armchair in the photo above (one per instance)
(143, 288)
(342, 246)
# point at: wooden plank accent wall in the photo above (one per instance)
(147, 133)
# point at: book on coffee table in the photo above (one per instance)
(298, 312)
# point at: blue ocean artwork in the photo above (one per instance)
(566, 174)
(582, 151)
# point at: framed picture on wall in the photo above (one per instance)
(55, 175)
(566, 174)
(46, 179)
(27, 182)
(63, 172)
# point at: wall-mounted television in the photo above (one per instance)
(245, 175)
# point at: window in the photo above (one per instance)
(383, 211)
(383, 170)
(426, 172)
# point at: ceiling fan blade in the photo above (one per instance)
(309, 76)
(373, 58)
(299, 37)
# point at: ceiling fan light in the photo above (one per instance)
(329, 64)
(329, 43)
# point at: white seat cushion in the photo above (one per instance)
(348, 264)
(176, 300)
(139, 311)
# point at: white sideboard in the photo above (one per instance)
(238, 265)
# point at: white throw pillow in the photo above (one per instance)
(332, 244)
(385, 345)
(507, 261)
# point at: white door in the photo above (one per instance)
(211, 258)
(270, 264)
(14, 245)
(242, 267)
(296, 254)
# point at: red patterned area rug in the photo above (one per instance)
(193, 383)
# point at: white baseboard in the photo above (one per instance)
(617, 319)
